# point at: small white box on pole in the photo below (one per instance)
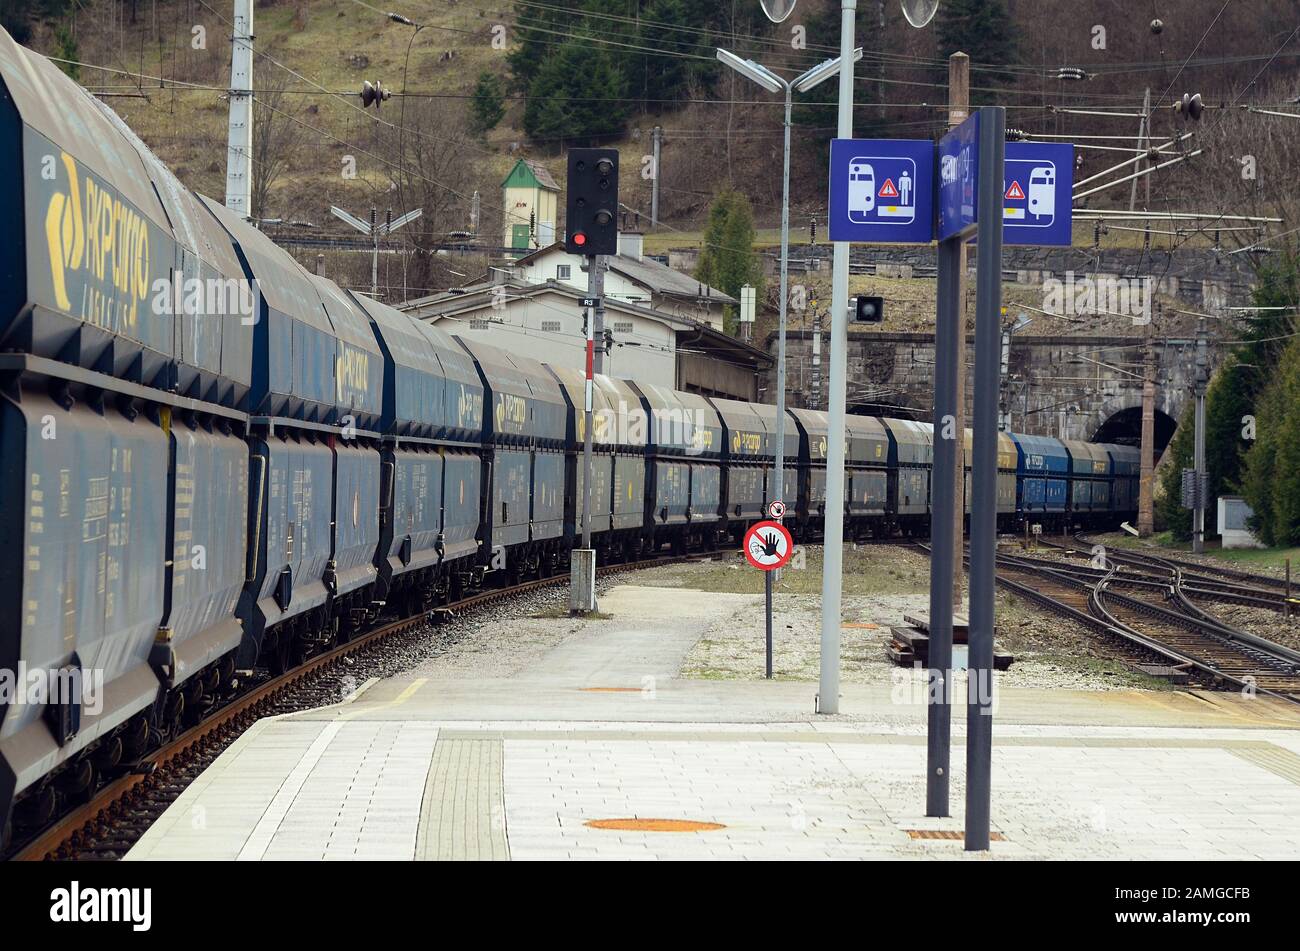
(747, 304)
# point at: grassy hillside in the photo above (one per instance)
(171, 60)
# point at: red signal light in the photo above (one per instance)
(579, 239)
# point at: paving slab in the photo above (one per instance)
(601, 727)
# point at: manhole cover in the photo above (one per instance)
(610, 689)
(951, 834)
(653, 825)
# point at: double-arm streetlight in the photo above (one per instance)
(774, 83)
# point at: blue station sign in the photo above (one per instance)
(1036, 192)
(882, 191)
(958, 178)
(887, 191)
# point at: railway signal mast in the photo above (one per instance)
(239, 154)
(374, 230)
(591, 230)
(1199, 385)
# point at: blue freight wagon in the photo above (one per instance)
(1042, 474)
(522, 525)
(747, 449)
(911, 458)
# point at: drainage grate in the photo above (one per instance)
(948, 834)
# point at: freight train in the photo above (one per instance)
(213, 462)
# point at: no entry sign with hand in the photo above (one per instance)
(768, 545)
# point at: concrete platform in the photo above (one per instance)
(600, 728)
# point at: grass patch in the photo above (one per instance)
(1262, 557)
(1099, 667)
(1265, 557)
(558, 613)
(871, 569)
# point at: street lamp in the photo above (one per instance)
(770, 81)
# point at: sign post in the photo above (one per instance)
(972, 191)
(893, 191)
(767, 547)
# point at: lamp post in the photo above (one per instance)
(773, 83)
(828, 682)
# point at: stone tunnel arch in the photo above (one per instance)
(1124, 425)
(892, 404)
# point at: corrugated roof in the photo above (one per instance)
(663, 279)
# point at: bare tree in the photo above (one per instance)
(1248, 166)
(436, 168)
(277, 137)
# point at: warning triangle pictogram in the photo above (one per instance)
(1014, 193)
(888, 190)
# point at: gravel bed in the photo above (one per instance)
(1050, 651)
(1262, 622)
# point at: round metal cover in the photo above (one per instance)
(653, 825)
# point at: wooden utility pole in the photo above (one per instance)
(958, 110)
(1146, 514)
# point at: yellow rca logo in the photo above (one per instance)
(98, 232)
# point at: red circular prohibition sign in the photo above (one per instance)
(768, 545)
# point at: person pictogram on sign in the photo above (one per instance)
(905, 187)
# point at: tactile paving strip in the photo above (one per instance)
(463, 813)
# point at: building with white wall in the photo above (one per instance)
(544, 321)
(630, 277)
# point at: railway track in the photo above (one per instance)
(1158, 618)
(119, 812)
(1199, 581)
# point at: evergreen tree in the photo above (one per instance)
(1227, 404)
(539, 30)
(1253, 382)
(65, 47)
(1250, 383)
(663, 47)
(818, 109)
(728, 261)
(1272, 469)
(1178, 456)
(560, 103)
(488, 105)
(14, 18)
(706, 269)
(983, 30)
